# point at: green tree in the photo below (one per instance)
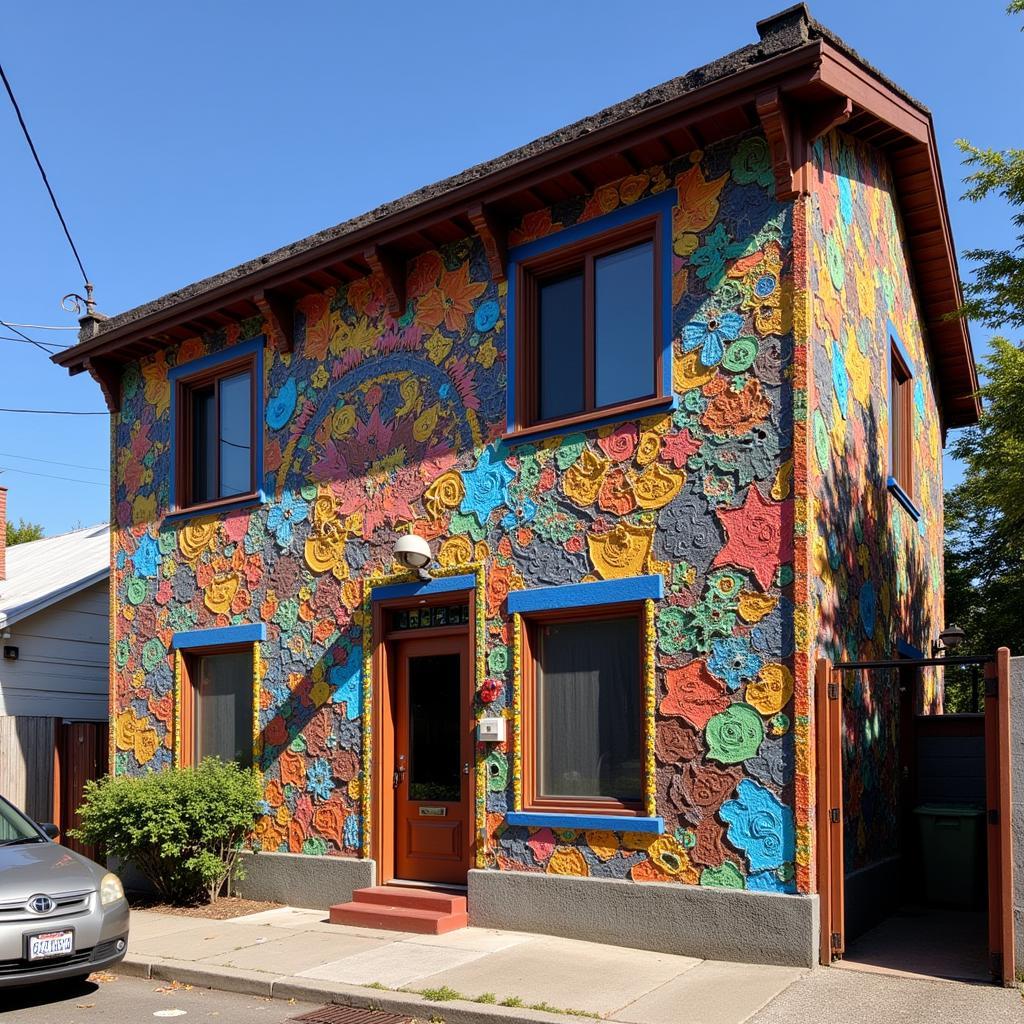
(22, 532)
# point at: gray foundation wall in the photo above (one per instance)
(1017, 789)
(713, 923)
(301, 880)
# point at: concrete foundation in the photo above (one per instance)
(301, 880)
(711, 923)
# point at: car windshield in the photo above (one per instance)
(15, 827)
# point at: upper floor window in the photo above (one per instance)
(216, 434)
(900, 422)
(589, 320)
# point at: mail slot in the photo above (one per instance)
(433, 812)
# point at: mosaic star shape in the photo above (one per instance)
(756, 536)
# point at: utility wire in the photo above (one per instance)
(42, 172)
(57, 412)
(44, 327)
(24, 341)
(51, 476)
(50, 462)
(32, 341)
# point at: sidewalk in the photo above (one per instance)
(464, 977)
(291, 953)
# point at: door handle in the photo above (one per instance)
(465, 768)
(396, 779)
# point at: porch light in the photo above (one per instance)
(414, 553)
(948, 640)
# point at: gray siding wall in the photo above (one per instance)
(61, 671)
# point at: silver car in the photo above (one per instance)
(62, 916)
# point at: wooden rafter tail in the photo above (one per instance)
(107, 374)
(823, 117)
(279, 315)
(775, 122)
(387, 265)
(493, 235)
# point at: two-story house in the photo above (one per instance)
(663, 397)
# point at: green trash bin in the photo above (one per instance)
(952, 848)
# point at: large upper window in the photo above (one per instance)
(583, 724)
(901, 413)
(589, 327)
(217, 706)
(216, 440)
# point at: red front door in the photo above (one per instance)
(433, 760)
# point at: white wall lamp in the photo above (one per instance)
(414, 553)
(948, 640)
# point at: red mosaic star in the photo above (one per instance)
(759, 536)
(694, 693)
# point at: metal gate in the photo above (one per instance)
(828, 708)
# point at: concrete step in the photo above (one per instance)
(397, 918)
(418, 899)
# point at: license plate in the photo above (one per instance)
(51, 944)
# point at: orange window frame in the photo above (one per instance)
(187, 696)
(185, 439)
(580, 257)
(530, 625)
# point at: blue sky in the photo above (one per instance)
(182, 139)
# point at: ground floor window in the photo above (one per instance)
(583, 713)
(217, 711)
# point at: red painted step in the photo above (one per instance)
(425, 911)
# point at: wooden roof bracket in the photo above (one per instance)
(790, 132)
(278, 316)
(107, 374)
(392, 270)
(492, 234)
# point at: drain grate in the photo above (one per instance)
(333, 1014)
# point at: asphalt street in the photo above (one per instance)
(122, 1000)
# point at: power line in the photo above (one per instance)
(50, 462)
(57, 412)
(21, 334)
(39, 344)
(44, 327)
(42, 172)
(51, 476)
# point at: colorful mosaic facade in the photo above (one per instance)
(877, 574)
(375, 425)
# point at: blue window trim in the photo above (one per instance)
(660, 205)
(219, 636)
(442, 585)
(252, 346)
(586, 822)
(587, 595)
(895, 341)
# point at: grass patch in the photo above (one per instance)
(511, 1001)
(486, 997)
(548, 1008)
(377, 985)
(440, 995)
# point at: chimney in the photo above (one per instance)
(3, 533)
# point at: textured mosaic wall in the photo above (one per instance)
(876, 574)
(373, 424)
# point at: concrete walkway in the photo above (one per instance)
(476, 975)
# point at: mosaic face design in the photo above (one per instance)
(876, 574)
(375, 424)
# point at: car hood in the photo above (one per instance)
(44, 868)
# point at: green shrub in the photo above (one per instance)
(181, 827)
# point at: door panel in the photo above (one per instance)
(828, 713)
(433, 758)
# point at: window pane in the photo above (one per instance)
(560, 359)
(236, 435)
(588, 703)
(624, 325)
(204, 447)
(434, 716)
(223, 699)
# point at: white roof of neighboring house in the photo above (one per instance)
(45, 571)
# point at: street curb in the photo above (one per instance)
(256, 983)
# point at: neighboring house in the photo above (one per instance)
(666, 394)
(54, 704)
